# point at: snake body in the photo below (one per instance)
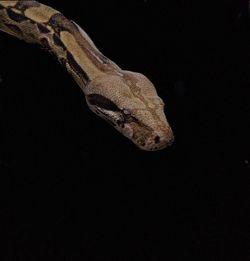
(127, 100)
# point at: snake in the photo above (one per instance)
(125, 99)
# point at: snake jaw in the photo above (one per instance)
(146, 138)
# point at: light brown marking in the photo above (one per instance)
(79, 55)
(8, 3)
(40, 14)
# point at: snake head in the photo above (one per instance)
(130, 103)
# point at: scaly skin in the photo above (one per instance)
(127, 100)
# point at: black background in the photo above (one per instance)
(72, 188)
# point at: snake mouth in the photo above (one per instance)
(158, 140)
(149, 137)
(146, 138)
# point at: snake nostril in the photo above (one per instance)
(157, 139)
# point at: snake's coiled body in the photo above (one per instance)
(125, 99)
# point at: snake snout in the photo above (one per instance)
(157, 140)
(162, 140)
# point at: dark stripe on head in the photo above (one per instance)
(15, 16)
(60, 23)
(102, 102)
(15, 29)
(43, 29)
(76, 68)
(23, 5)
(1, 7)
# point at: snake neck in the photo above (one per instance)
(34, 22)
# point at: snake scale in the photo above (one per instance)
(125, 99)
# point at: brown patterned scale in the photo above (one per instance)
(127, 100)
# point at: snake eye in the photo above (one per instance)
(102, 102)
(126, 112)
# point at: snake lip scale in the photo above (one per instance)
(127, 100)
